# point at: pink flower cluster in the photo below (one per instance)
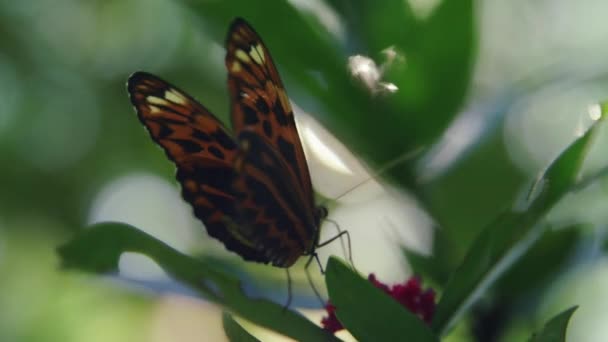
(409, 294)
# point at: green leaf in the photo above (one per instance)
(235, 331)
(381, 24)
(555, 329)
(98, 249)
(503, 241)
(438, 67)
(532, 272)
(368, 313)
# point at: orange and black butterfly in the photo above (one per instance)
(251, 188)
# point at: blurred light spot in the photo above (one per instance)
(595, 111)
(367, 72)
(140, 267)
(364, 69)
(423, 8)
(587, 287)
(326, 15)
(321, 151)
(110, 38)
(538, 129)
(380, 221)
(580, 128)
(587, 206)
(390, 53)
(379, 227)
(333, 168)
(392, 57)
(389, 87)
(463, 132)
(149, 203)
(184, 319)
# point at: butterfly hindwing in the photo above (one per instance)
(269, 201)
(203, 152)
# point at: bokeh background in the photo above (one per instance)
(73, 153)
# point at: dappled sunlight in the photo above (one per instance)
(109, 39)
(379, 227)
(149, 203)
(586, 206)
(178, 318)
(324, 13)
(334, 170)
(594, 111)
(587, 288)
(135, 266)
(466, 130)
(322, 152)
(537, 129)
(64, 306)
(378, 217)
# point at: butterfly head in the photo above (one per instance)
(320, 214)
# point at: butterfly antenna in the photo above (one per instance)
(383, 169)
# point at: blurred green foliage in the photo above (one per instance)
(67, 129)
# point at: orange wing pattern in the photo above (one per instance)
(260, 103)
(202, 150)
(282, 225)
(254, 192)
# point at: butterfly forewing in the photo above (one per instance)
(203, 151)
(260, 103)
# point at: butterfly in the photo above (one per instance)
(250, 187)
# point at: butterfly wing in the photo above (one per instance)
(270, 203)
(260, 103)
(203, 151)
(272, 165)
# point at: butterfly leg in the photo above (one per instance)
(341, 240)
(288, 303)
(339, 236)
(309, 278)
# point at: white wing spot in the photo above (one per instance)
(154, 109)
(257, 53)
(242, 55)
(260, 50)
(236, 67)
(175, 97)
(157, 101)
